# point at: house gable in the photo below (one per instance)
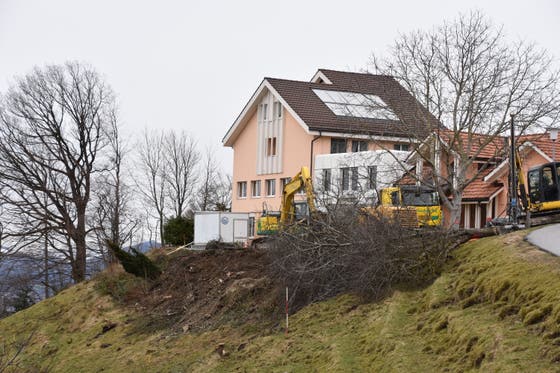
(250, 109)
(525, 149)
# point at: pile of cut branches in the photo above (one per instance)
(366, 255)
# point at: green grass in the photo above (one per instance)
(496, 307)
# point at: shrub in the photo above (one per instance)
(178, 230)
(119, 285)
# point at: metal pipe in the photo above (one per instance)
(311, 155)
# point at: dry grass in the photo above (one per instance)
(494, 308)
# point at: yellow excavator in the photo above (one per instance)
(539, 194)
(412, 206)
(291, 211)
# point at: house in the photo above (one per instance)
(319, 123)
(486, 195)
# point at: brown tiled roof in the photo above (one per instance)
(414, 119)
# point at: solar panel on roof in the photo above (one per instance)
(352, 104)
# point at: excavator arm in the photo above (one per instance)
(301, 179)
(521, 183)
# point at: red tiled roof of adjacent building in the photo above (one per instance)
(480, 190)
(543, 142)
(476, 145)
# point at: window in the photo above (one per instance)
(359, 146)
(264, 111)
(270, 185)
(345, 178)
(251, 226)
(402, 147)
(284, 181)
(242, 189)
(271, 146)
(349, 178)
(372, 177)
(353, 104)
(327, 179)
(354, 179)
(277, 109)
(255, 188)
(338, 146)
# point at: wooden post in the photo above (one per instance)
(287, 300)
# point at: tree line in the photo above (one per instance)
(69, 181)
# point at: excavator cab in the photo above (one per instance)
(301, 210)
(544, 186)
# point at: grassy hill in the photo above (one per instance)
(496, 307)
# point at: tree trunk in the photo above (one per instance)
(455, 212)
(161, 230)
(79, 267)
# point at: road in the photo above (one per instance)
(547, 238)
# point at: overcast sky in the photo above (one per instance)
(193, 65)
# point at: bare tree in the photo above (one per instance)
(114, 218)
(214, 191)
(471, 79)
(52, 130)
(182, 175)
(169, 173)
(152, 181)
(223, 194)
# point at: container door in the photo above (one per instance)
(240, 229)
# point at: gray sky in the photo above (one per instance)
(193, 65)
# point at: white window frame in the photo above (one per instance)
(264, 112)
(399, 147)
(327, 179)
(278, 109)
(372, 177)
(345, 178)
(241, 189)
(268, 183)
(359, 144)
(255, 187)
(283, 182)
(271, 146)
(354, 175)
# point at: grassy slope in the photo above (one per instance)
(497, 307)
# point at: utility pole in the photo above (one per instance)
(513, 202)
(553, 133)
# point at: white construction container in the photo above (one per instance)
(228, 227)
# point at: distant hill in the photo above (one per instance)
(146, 246)
(495, 307)
(27, 270)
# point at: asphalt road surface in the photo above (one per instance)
(547, 238)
